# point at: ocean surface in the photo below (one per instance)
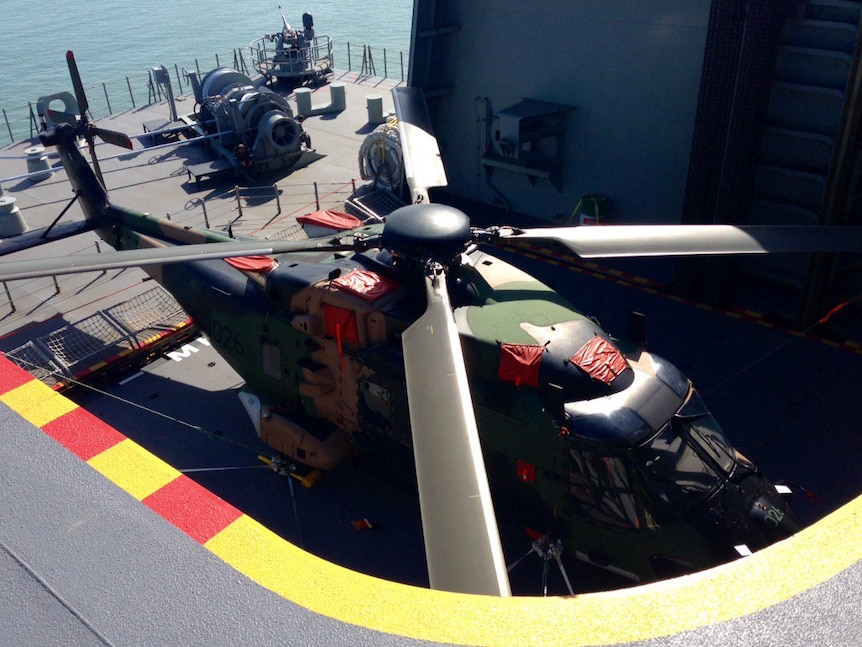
(118, 39)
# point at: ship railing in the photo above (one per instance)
(23, 123)
(314, 57)
(265, 211)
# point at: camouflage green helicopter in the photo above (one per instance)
(412, 340)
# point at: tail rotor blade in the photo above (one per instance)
(113, 137)
(462, 542)
(91, 145)
(88, 130)
(80, 95)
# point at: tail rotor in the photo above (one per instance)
(88, 130)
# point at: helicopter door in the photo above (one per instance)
(602, 488)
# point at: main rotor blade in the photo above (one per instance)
(44, 235)
(422, 163)
(690, 240)
(462, 542)
(27, 269)
(77, 85)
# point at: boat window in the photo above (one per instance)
(601, 486)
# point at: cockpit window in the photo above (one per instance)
(602, 488)
(674, 476)
(707, 434)
(688, 459)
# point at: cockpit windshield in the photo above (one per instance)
(704, 431)
(688, 459)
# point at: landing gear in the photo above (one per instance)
(546, 549)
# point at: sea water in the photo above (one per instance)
(116, 43)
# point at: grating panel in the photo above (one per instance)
(374, 205)
(148, 315)
(76, 342)
(38, 364)
(291, 232)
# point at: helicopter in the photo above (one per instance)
(410, 340)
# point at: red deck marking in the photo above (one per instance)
(187, 505)
(12, 376)
(192, 508)
(82, 433)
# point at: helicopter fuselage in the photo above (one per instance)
(606, 461)
(585, 438)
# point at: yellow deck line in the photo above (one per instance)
(38, 403)
(650, 611)
(133, 468)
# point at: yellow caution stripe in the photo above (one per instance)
(769, 577)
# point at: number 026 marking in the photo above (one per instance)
(774, 516)
(227, 337)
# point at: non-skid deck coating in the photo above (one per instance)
(795, 578)
(103, 543)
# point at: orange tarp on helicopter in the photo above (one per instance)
(262, 264)
(519, 363)
(341, 324)
(329, 219)
(600, 360)
(368, 286)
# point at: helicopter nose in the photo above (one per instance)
(773, 517)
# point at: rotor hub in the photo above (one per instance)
(421, 232)
(61, 132)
